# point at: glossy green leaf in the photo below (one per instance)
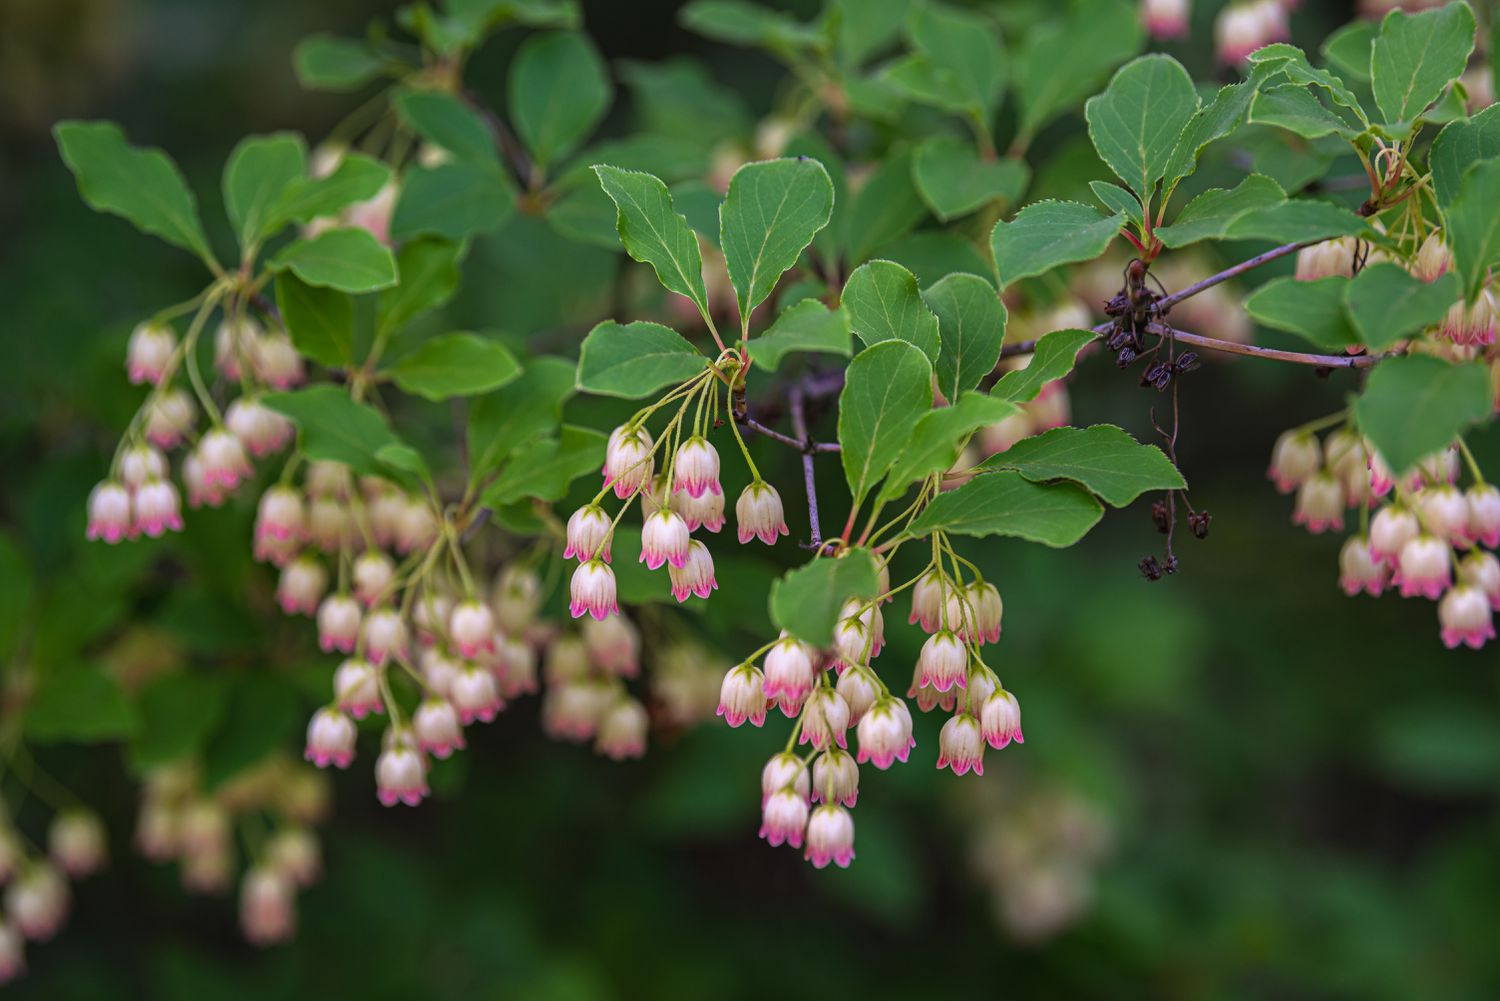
(1103, 458)
(1416, 56)
(546, 469)
(448, 123)
(1054, 357)
(259, 171)
(429, 273)
(323, 62)
(807, 326)
(1006, 503)
(1215, 120)
(635, 359)
(1297, 109)
(1063, 62)
(1135, 123)
(452, 200)
(505, 421)
(769, 216)
(1296, 221)
(78, 703)
(1313, 310)
(461, 364)
(883, 303)
(654, 233)
(1046, 234)
(1386, 302)
(953, 180)
(1280, 59)
(887, 390)
(1212, 214)
(1120, 201)
(1458, 147)
(559, 91)
(319, 320)
(1415, 405)
(936, 441)
(350, 260)
(1474, 225)
(806, 601)
(333, 426)
(971, 323)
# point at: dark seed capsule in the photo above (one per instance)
(1126, 357)
(1158, 375)
(1121, 337)
(1186, 362)
(1170, 566)
(1150, 569)
(1198, 523)
(1159, 516)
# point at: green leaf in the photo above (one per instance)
(1416, 56)
(679, 98)
(885, 209)
(1211, 215)
(178, 712)
(319, 320)
(883, 303)
(1135, 123)
(807, 326)
(1063, 62)
(1281, 59)
(740, 23)
(505, 421)
(461, 364)
(447, 122)
(262, 718)
(452, 200)
(138, 184)
(430, 274)
(82, 703)
(323, 62)
(333, 426)
(954, 181)
(1102, 458)
(1297, 221)
(1415, 405)
(1348, 50)
(1297, 109)
(357, 178)
(653, 233)
(806, 602)
(404, 459)
(887, 389)
(935, 443)
(17, 595)
(1120, 201)
(635, 359)
(1006, 503)
(350, 260)
(559, 91)
(1046, 234)
(1314, 310)
(1053, 358)
(964, 47)
(1386, 303)
(259, 171)
(771, 213)
(545, 470)
(1474, 225)
(971, 322)
(1215, 120)
(1458, 147)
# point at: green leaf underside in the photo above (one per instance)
(1047, 234)
(460, 364)
(1007, 503)
(350, 260)
(771, 213)
(332, 426)
(319, 320)
(653, 233)
(971, 323)
(1313, 310)
(1053, 358)
(806, 326)
(806, 601)
(1474, 225)
(1415, 405)
(1386, 302)
(887, 390)
(1135, 123)
(505, 421)
(545, 470)
(936, 440)
(883, 303)
(1416, 56)
(1102, 458)
(1213, 213)
(634, 359)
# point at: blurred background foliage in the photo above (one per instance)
(1237, 784)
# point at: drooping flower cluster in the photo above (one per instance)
(37, 896)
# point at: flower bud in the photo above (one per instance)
(1328, 259)
(783, 771)
(825, 719)
(475, 694)
(1470, 325)
(338, 624)
(759, 514)
(1000, 720)
(790, 670)
(835, 777)
(622, 730)
(149, 352)
(157, 509)
(258, 427)
(437, 728)
(1433, 258)
(593, 590)
(516, 668)
(742, 696)
(430, 614)
(109, 513)
(222, 461)
(277, 362)
(1390, 530)
(1243, 27)
(1445, 512)
(830, 837)
(472, 628)
(374, 574)
(76, 843)
(984, 599)
(294, 852)
(860, 689)
(326, 478)
(627, 460)
(400, 772)
(885, 733)
(169, 418)
(330, 525)
(784, 818)
(1482, 570)
(589, 532)
(1295, 459)
(356, 688)
(416, 526)
(1483, 502)
(696, 575)
(961, 745)
(36, 902)
(613, 645)
(853, 641)
(943, 662)
(330, 738)
(301, 586)
(516, 598)
(706, 511)
(1424, 568)
(1466, 616)
(696, 468)
(1320, 504)
(439, 670)
(928, 596)
(234, 346)
(12, 954)
(664, 539)
(1359, 570)
(268, 912)
(140, 465)
(385, 635)
(1165, 19)
(573, 711)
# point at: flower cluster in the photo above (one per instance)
(37, 895)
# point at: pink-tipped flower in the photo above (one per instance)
(614, 645)
(36, 902)
(784, 818)
(326, 478)
(696, 469)
(759, 514)
(929, 698)
(374, 575)
(627, 460)
(1445, 512)
(1295, 459)
(696, 575)
(1466, 616)
(885, 733)
(515, 668)
(943, 662)
(742, 696)
(859, 688)
(1470, 325)
(593, 590)
(222, 459)
(989, 611)
(1390, 530)
(927, 599)
(1424, 568)
(338, 624)
(830, 837)
(356, 688)
(1483, 502)
(1000, 720)
(268, 913)
(472, 628)
(149, 352)
(475, 694)
(835, 777)
(1360, 570)
(258, 427)
(1242, 28)
(234, 346)
(294, 852)
(961, 745)
(573, 711)
(331, 525)
(790, 670)
(1165, 20)
(109, 512)
(140, 465)
(588, 534)
(622, 730)
(854, 640)
(169, 418)
(400, 772)
(439, 670)
(517, 596)
(664, 539)
(706, 511)
(1320, 504)
(277, 362)
(76, 843)
(1433, 259)
(385, 635)
(330, 738)
(416, 526)
(825, 720)
(158, 509)
(280, 525)
(437, 728)
(301, 586)
(1330, 258)
(1482, 570)
(1436, 469)
(784, 771)
(12, 954)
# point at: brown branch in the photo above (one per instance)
(799, 425)
(1231, 272)
(1272, 354)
